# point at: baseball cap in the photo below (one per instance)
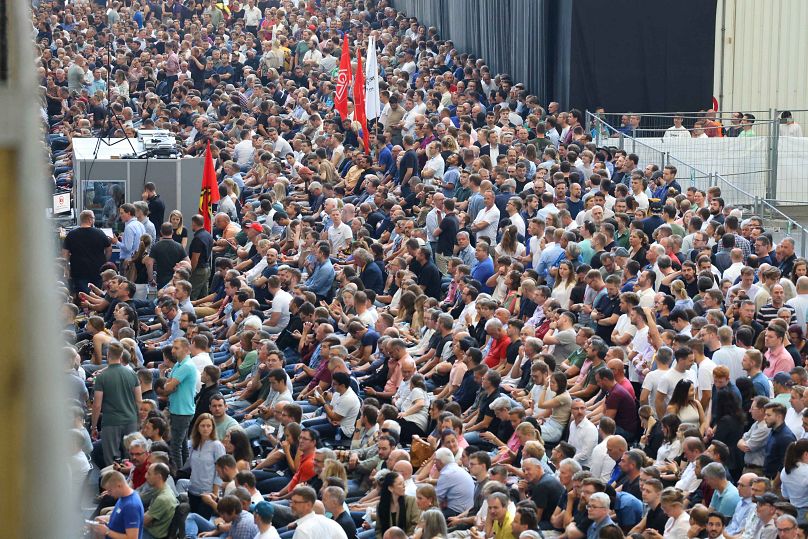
(305, 170)
(257, 227)
(315, 185)
(783, 379)
(621, 251)
(265, 510)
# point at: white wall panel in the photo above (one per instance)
(764, 53)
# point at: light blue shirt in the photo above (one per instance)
(742, 512)
(202, 463)
(321, 278)
(795, 485)
(548, 258)
(131, 238)
(455, 488)
(174, 331)
(181, 400)
(726, 502)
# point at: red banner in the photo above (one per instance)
(343, 81)
(210, 190)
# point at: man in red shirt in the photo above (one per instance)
(137, 465)
(307, 445)
(499, 345)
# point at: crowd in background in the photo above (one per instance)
(485, 326)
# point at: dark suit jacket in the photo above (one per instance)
(372, 278)
(486, 150)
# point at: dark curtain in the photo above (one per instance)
(509, 35)
(634, 55)
(625, 55)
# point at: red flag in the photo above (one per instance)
(210, 190)
(359, 100)
(343, 81)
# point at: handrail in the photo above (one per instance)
(759, 203)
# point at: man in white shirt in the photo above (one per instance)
(734, 270)
(583, 433)
(200, 357)
(309, 524)
(279, 314)
(342, 408)
(252, 15)
(729, 355)
(682, 369)
(339, 235)
(601, 464)
(486, 223)
(677, 130)
(800, 301)
(244, 150)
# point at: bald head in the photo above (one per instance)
(404, 468)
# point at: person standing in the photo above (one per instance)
(133, 230)
(117, 397)
(157, 208)
(180, 389)
(446, 234)
(85, 250)
(199, 253)
(166, 254)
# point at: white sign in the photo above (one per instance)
(61, 203)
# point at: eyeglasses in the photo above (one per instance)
(590, 506)
(140, 454)
(785, 529)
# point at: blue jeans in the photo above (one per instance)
(325, 429)
(197, 523)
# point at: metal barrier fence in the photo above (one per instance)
(771, 163)
(743, 167)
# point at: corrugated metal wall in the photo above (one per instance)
(764, 55)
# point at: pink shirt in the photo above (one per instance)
(779, 361)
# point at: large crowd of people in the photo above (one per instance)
(486, 326)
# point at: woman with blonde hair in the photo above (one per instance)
(418, 315)
(180, 232)
(333, 468)
(673, 505)
(279, 190)
(679, 294)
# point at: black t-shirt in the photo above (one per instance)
(448, 235)
(346, 522)
(656, 519)
(485, 410)
(166, 254)
(87, 246)
(409, 161)
(512, 352)
(202, 244)
(607, 306)
(545, 494)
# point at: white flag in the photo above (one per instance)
(373, 106)
(274, 32)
